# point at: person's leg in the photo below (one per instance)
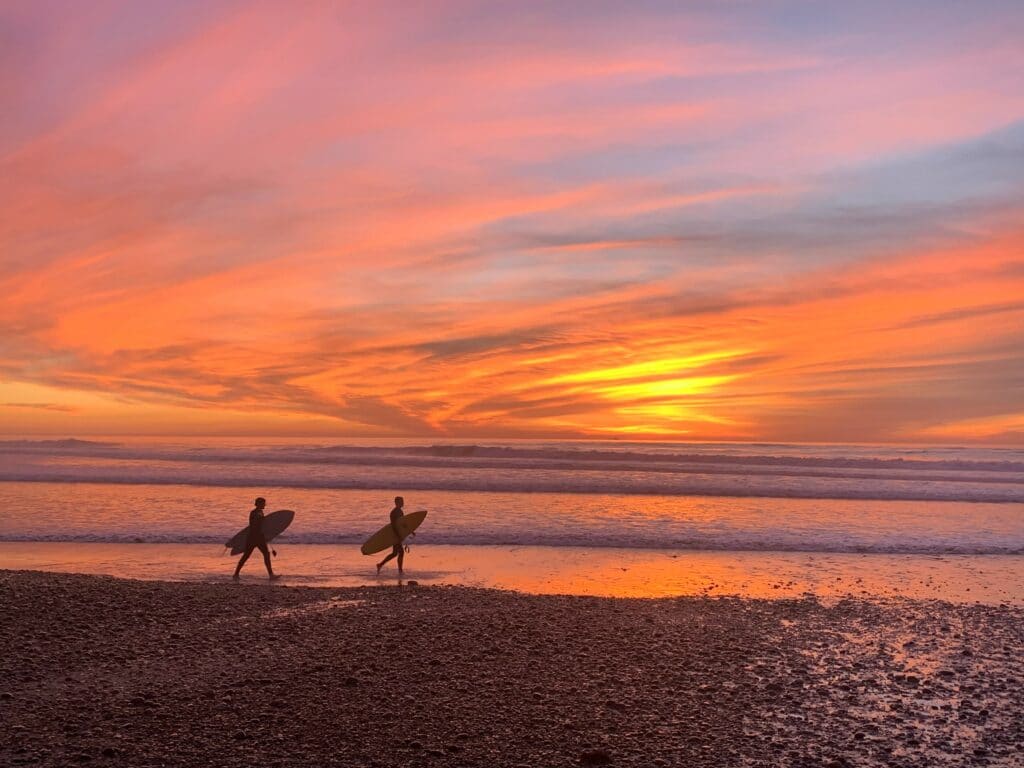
(394, 553)
(401, 558)
(266, 558)
(248, 551)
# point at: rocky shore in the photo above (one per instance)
(100, 671)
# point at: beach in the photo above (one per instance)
(504, 385)
(99, 670)
(868, 610)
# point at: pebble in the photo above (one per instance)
(595, 757)
(451, 677)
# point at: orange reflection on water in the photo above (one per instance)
(991, 579)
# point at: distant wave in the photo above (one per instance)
(769, 470)
(703, 458)
(571, 483)
(470, 455)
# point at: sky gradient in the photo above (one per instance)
(728, 220)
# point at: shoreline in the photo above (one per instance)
(107, 671)
(601, 571)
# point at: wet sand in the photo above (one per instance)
(601, 572)
(102, 671)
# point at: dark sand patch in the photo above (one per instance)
(100, 671)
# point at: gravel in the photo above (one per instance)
(101, 671)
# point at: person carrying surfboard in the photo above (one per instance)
(256, 540)
(398, 550)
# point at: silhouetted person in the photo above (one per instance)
(256, 540)
(399, 549)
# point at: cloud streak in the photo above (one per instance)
(691, 221)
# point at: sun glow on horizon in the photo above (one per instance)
(716, 223)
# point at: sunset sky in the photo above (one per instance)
(710, 220)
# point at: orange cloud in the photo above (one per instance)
(397, 221)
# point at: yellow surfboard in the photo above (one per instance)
(385, 537)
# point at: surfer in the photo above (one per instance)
(256, 540)
(399, 549)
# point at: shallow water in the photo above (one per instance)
(614, 572)
(193, 514)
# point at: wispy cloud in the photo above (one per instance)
(41, 406)
(691, 220)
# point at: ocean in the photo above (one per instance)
(715, 497)
(601, 518)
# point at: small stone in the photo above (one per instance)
(595, 757)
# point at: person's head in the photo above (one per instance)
(261, 503)
(399, 501)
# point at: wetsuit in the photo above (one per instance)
(398, 549)
(256, 540)
(396, 515)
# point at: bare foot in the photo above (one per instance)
(275, 576)
(235, 577)
(379, 566)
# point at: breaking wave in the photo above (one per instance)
(769, 470)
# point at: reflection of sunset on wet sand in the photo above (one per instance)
(604, 571)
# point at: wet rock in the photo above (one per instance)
(595, 757)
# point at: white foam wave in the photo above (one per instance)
(779, 471)
(553, 481)
(732, 543)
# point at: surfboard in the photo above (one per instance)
(385, 537)
(273, 526)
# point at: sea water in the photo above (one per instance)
(761, 499)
